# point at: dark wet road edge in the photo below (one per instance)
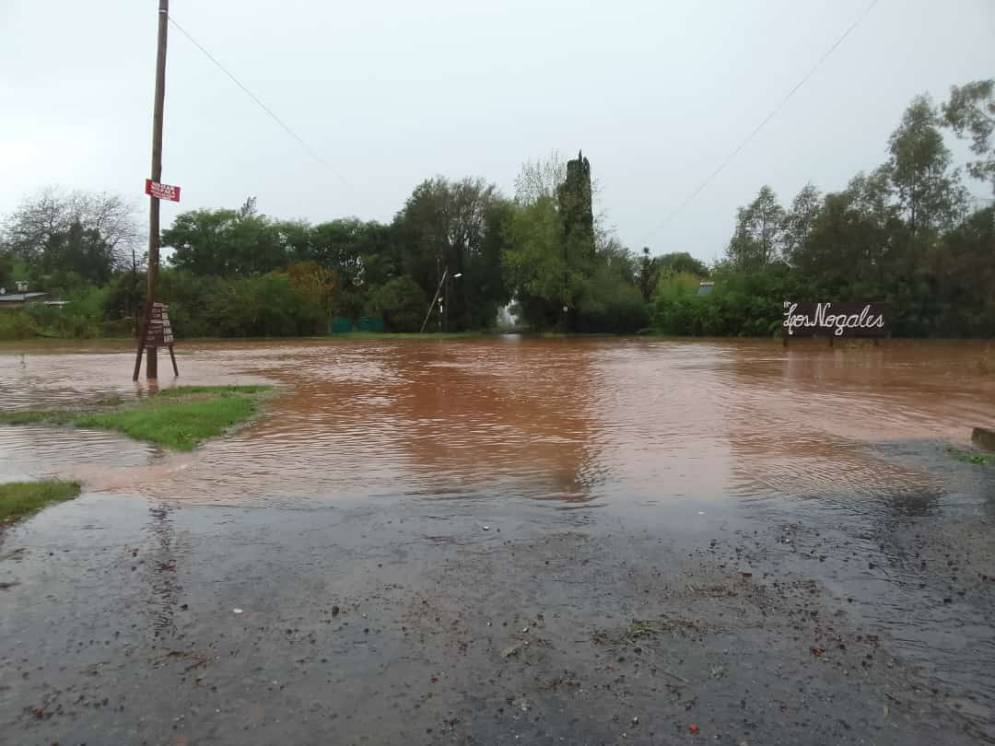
(789, 619)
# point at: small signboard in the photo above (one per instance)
(835, 319)
(159, 332)
(162, 191)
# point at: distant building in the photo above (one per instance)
(705, 288)
(22, 297)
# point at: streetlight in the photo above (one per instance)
(436, 297)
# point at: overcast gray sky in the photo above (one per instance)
(392, 92)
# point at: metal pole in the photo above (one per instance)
(152, 354)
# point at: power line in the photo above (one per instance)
(272, 114)
(780, 105)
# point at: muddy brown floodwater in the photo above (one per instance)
(512, 540)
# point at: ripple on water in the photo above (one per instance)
(579, 421)
(34, 451)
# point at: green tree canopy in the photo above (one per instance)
(225, 242)
(926, 187)
(759, 235)
(81, 251)
(970, 112)
(456, 226)
(678, 262)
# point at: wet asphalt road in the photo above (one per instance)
(805, 619)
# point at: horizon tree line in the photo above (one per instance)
(904, 233)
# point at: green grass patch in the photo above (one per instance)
(190, 390)
(180, 418)
(19, 499)
(173, 422)
(38, 416)
(972, 457)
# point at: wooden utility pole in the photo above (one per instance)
(431, 304)
(152, 361)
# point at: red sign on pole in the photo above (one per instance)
(162, 191)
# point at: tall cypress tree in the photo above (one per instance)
(577, 217)
(576, 210)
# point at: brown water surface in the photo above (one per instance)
(578, 421)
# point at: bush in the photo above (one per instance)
(118, 328)
(75, 320)
(264, 306)
(401, 303)
(189, 298)
(742, 304)
(15, 324)
(125, 295)
(609, 304)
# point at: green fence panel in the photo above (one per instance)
(370, 324)
(340, 325)
(343, 325)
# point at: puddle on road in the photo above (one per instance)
(573, 421)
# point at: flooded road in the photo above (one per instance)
(512, 541)
(574, 421)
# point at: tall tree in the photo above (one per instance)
(970, 112)
(759, 232)
(799, 219)
(6, 268)
(50, 214)
(540, 179)
(851, 238)
(567, 270)
(649, 273)
(315, 283)
(80, 251)
(574, 196)
(919, 166)
(963, 271)
(534, 262)
(681, 262)
(225, 242)
(448, 226)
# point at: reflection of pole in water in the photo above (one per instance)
(162, 569)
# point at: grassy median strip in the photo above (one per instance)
(18, 499)
(179, 418)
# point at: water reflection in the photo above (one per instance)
(35, 451)
(160, 569)
(637, 421)
(803, 417)
(424, 419)
(501, 420)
